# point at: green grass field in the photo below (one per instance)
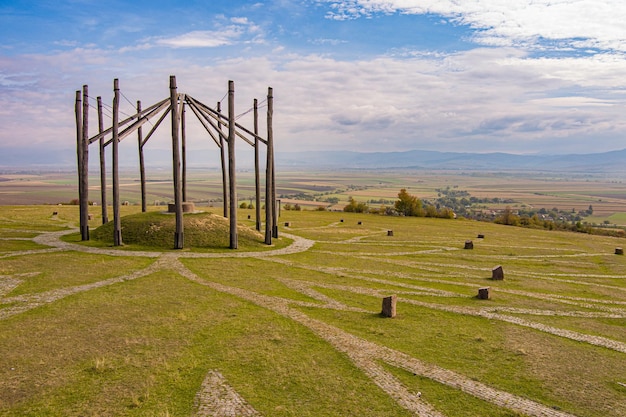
(91, 330)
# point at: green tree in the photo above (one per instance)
(355, 207)
(408, 204)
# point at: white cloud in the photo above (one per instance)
(577, 23)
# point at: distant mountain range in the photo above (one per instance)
(614, 161)
(607, 162)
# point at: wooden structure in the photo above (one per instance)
(497, 273)
(389, 306)
(175, 105)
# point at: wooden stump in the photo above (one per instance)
(481, 236)
(287, 224)
(497, 273)
(341, 220)
(89, 217)
(360, 223)
(483, 293)
(188, 207)
(619, 251)
(389, 232)
(469, 244)
(249, 217)
(389, 306)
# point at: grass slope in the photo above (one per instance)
(77, 341)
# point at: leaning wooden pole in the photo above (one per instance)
(103, 168)
(183, 137)
(269, 163)
(223, 160)
(84, 184)
(178, 195)
(78, 110)
(270, 149)
(117, 221)
(257, 179)
(231, 166)
(142, 164)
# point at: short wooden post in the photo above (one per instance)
(178, 195)
(483, 293)
(497, 273)
(117, 222)
(389, 306)
(469, 244)
(231, 166)
(389, 232)
(619, 251)
(480, 236)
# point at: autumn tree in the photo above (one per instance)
(408, 204)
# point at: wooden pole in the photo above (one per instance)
(270, 149)
(184, 152)
(231, 165)
(142, 165)
(269, 197)
(178, 234)
(84, 195)
(117, 222)
(78, 110)
(103, 170)
(257, 180)
(223, 158)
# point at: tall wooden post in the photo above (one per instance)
(269, 195)
(178, 195)
(223, 158)
(184, 152)
(257, 180)
(117, 221)
(270, 149)
(142, 165)
(78, 110)
(103, 169)
(231, 165)
(84, 184)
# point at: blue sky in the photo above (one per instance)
(541, 76)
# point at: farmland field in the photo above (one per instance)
(296, 330)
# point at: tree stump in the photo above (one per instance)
(497, 273)
(389, 232)
(619, 251)
(481, 236)
(469, 244)
(483, 293)
(389, 306)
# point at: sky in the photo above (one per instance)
(514, 76)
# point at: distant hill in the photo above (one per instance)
(614, 161)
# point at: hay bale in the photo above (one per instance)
(497, 273)
(389, 306)
(619, 251)
(469, 244)
(389, 232)
(483, 293)
(480, 236)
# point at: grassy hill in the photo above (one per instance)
(87, 329)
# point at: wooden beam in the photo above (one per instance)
(78, 111)
(103, 170)
(117, 222)
(207, 127)
(142, 165)
(231, 166)
(269, 163)
(257, 179)
(128, 120)
(178, 234)
(84, 195)
(223, 161)
(156, 125)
